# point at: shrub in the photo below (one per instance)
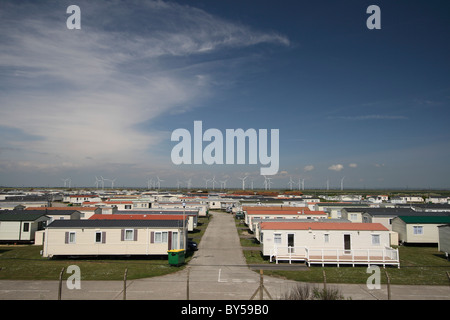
(304, 292)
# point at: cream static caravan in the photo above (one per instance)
(113, 237)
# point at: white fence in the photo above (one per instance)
(383, 256)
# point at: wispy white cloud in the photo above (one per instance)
(372, 117)
(336, 167)
(308, 168)
(85, 92)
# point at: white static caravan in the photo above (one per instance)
(63, 213)
(191, 214)
(13, 205)
(437, 199)
(328, 243)
(79, 199)
(257, 223)
(214, 203)
(249, 215)
(119, 205)
(444, 239)
(335, 209)
(188, 205)
(113, 237)
(20, 226)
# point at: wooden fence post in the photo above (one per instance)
(60, 283)
(388, 285)
(261, 285)
(187, 284)
(125, 284)
(261, 288)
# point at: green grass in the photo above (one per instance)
(198, 232)
(246, 242)
(24, 262)
(418, 266)
(254, 257)
(243, 232)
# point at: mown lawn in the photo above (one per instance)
(418, 266)
(24, 262)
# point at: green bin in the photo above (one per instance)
(176, 257)
(239, 215)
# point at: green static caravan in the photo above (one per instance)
(419, 229)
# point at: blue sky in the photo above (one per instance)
(368, 105)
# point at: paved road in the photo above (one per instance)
(217, 271)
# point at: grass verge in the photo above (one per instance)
(24, 262)
(418, 266)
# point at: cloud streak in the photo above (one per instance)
(371, 117)
(336, 167)
(82, 94)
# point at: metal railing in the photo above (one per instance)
(384, 256)
(288, 253)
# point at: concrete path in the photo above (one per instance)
(217, 271)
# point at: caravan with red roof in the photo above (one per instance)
(327, 243)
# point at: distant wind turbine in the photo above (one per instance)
(149, 183)
(97, 182)
(206, 182)
(269, 182)
(243, 181)
(291, 182)
(223, 184)
(103, 182)
(159, 182)
(110, 180)
(213, 180)
(65, 182)
(188, 183)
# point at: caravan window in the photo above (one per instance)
(161, 237)
(277, 238)
(375, 239)
(98, 237)
(129, 234)
(418, 229)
